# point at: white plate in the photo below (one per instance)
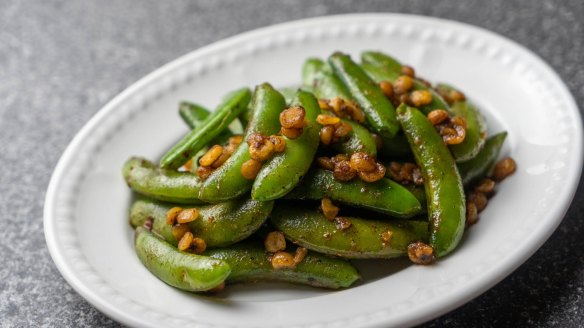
(87, 201)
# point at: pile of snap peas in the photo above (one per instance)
(363, 160)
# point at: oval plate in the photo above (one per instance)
(85, 217)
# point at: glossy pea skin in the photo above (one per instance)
(194, 115)
(186, 271)
(476, 131)
(145, 178)
(417, 191)
(231, 107)
(378, 110)
(381, 59)
(310, 68)
(379, 74)
(359, 140)
(479, 167)
(328, 86)
(249, 262)
(311, 229)
(284, 170)
(384, 196)
(227, 182)
(219, 224)
(442, 182)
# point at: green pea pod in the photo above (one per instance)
(283, 171)
(289, 93)
(444, 192)
(378, 110)
(249, 261)
(379, 74)
(476, 131)
(310, 69)
(363, 239)
(360, 140)
(227, 182)
(186, 271)
(219, 224)
(328, 86)
(380, 59)
(396, 146)
(417, 191)
(234, 104)
(384, 196)
(145, 178)
(476, 125)
(483, 162)
(194, 115)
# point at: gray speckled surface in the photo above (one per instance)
(60, 61)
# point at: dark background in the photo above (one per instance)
(60, 61)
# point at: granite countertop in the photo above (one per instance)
(60, 61)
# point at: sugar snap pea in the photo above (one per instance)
(378, 110)
(381, 59)
(283, 171)
(476, 126)
(238, 209)
(194, 115)
(310, 68)
(476, 131)
(249, 261)
(145, 178)
(379, 74)
(444, 192)
(328, 86)
(483, 162)
(227, 182)
(182, 270)
(289, 93)
(384, 196)
(363, 239)
(360, 140)
(219, 225)
(231, 107)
